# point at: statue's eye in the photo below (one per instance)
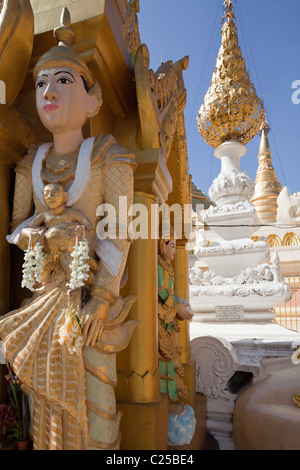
(64, 80)
(40, 84)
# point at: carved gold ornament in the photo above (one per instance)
(131, 32)
(290, 239)
(273, 240)
(231, 107)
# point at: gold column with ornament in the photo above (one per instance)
(145, 412)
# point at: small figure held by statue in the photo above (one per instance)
(58, 227)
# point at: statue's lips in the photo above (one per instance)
(50, 107)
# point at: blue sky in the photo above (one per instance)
(269, 38)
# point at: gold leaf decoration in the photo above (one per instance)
(231, 107)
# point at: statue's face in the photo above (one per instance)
(54, 195)
(61, 99)
(170, 250)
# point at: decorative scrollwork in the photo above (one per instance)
(161, 99)
(131, 32)
(215, 364)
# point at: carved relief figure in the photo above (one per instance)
(72, 395)
(172, 309)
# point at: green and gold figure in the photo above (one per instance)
(171, 310)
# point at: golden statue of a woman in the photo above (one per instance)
(72, 395)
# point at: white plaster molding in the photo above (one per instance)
(222, 365)
(253, 290)
(261, 274)
(231, 247)
(215, 361)
(232, 185)
(231, 188)
(288, 207)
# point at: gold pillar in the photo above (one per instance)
(144, 426)
(138, 378)
(145, 414)
(145, 411)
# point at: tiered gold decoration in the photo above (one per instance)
(231, 107)
(267, 186)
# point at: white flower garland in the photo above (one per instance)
(79, 266)
(33, 266)
(70, 331)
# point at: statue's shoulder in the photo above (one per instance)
(25, 164)
(107, 151)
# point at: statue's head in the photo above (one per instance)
(66, 95)
(54, 195)
(167, 243)
(169, 249)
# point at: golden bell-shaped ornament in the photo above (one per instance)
(231, 107)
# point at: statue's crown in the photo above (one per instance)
(63, 54)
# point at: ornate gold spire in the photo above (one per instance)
(231, 107)
(267, 186)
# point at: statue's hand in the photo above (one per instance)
(93, 319)
(183, 312)
(34, 234)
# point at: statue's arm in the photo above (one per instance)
(82, 220)
(117, 182)
(37, 221)
(112, 252)
(23, 200)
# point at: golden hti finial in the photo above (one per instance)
(228, 10)
(267, 187)
(63, 34)
(231, 107)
